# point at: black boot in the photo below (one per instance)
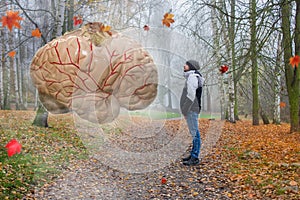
(186, 158)
(192, 161)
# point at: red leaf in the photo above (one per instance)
(146, 28)
(223, 69)
(77, 20)
(163, 180)
(13, 147)
(11, 19)
(294, 61)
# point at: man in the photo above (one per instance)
(190, 105)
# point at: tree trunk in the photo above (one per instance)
(70, 15)
(296, 126)
(231, 99)
(60, 17)
(41, 117)
(277, 86)
(6, 89)
(255, 97)
(264, 117)
(233, 57)
(217, 57)
(2, 69)
(292, 74)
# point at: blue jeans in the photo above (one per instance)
(192, 122)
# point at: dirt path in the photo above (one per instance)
(93, 180)
(145, 153)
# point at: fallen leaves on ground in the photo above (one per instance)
(248, 162)
(263, 161)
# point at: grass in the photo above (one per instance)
(154, 114)
(44, 152)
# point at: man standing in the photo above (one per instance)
(190, 105)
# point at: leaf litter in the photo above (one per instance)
(248, 162)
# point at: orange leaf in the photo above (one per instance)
(168, 19)
(282, 104)
(294, 61)
(12, 54)
(36, 33)
(106, 29)
(11, 19)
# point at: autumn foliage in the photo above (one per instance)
(12, 54)
(168, 19)
(294, 61)
(13, 147)
(223, 69)
(146, 28)
(77, 20)
(36, 33)
(11, 20)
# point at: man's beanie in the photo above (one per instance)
(193, 64)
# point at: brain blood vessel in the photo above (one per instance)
(93, 73)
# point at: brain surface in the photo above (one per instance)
(94, 73)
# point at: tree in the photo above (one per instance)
(253, 49)
(292, 73)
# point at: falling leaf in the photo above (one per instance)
(77, 20)
(223, 69)
(163, 180)
(11, 19)
(12, 54)
(13, 147)
(294, 61)
(146, 28)
(168, 19)
(282, 104)
(106, 29)
(36, 33)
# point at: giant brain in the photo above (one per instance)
(94, 73)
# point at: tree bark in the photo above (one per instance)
(2, 69)
(277, 86)
(41, 117)
(255, 96)
(292, 74)
(217, 56)
(233, 56)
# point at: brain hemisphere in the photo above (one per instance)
(73, 72)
